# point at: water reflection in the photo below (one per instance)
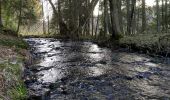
(83, 70)
(50, 75)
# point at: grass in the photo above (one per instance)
(18, 93)
(18, 43)
(9, 38)
(14, 87)
(14, 84)
(149, 43)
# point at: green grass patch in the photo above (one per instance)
(18, 92)
(18, 43)
(152, 43)
(16, 89)
(7, 31)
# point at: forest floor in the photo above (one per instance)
(155, 44)
(13, 54)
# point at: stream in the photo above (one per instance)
(76, 70)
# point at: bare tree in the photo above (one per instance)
(158, 15)
(143, 16)
(19, 16)
(115, 27)
(1, 14)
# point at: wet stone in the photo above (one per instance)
(142, 75)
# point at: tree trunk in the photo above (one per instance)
(92, 26)
(166, 16)
(90, 10)
(1, 25)
(114, 19)
(120, 15)
(62, 26)
(97, 25)
(163, 27)
(48, 24)
(128, 15)
(19, 17)
(105, 16)
(44, 26)
(132, 16)
(158, 16)
(143, 16)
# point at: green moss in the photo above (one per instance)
(16, 89)
(2, 66)
(153, 43)
(14, 43)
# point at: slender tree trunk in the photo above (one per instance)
(105, 16)
(163, 25)
(88, 22)
(138, 20)
(97, 25)
(158, 16)
(128, 15)
(120, 15)
(92, 20)
(19, 17)
(90, 10)
(48, 24)
(143, 16)
(132, 16)
(166, 16)
(44, 28)
(62, 26)
(1, 25)
(114, 19)
(134, 19)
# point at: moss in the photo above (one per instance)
(7, 31)
(14, 43)
(16, 89)
(149, 43)
(2, 66)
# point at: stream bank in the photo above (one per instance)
(13, 55)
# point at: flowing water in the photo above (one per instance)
(69, 70)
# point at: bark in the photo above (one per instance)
(48, 24)
(158, 15)
(97, 25)
(62, 26)
(128, 15)
(132, 16)
(114, 19)
(143, 16)
(163, 25)
(1, 25)
(92, 20)
(19, 17)
(44, 28)
(76, 18)
(105, 16)
(166, 15)
(90, 10)
(120, 15)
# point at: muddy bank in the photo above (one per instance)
(13, 55)
(11, 73)
(70, 70)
